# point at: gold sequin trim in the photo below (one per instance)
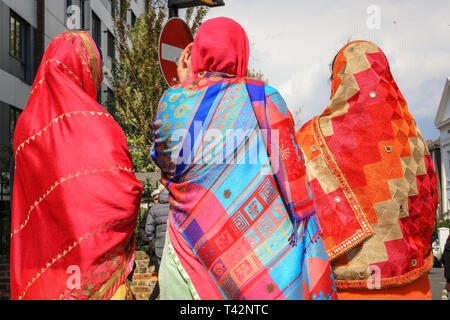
(60, 117)
(69, 71)
(367, 230)
(92, 59)
(70, 248)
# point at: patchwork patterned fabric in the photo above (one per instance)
(371, 175)
(252, 238)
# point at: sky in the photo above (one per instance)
(292, 42)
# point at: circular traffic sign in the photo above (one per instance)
(174, 37)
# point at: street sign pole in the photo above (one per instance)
(173, 12)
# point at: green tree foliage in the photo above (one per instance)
(252, 73)
(136, 81)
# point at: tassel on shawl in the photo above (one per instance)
(294, 235)
(299, 226)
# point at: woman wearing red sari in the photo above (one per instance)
(372, 180)
(75, 196)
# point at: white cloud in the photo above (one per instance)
(293, 42)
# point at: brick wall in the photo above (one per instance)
(143, 279)
(4, 278)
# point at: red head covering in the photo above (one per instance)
(220, 45)
(75, 197)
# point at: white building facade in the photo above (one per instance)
(442, 123)
(26, 29)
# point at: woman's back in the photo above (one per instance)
(229, 221)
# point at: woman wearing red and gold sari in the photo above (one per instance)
(372, 180)
(75, 196)
(242, 224)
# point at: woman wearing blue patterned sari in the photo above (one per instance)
(242, 224)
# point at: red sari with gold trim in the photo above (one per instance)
(75, 196)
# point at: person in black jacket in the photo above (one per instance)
(157, 223)
(446, 260)
(142, 236)
(156, 229)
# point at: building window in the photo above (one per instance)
(97, 30)
(113, 7)
(83, 14)
(21, 46)
(6, 182)
(99, 95)
(16, 36)
(133, 19)
(111, 48)
(14, 114)
(447, 170)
